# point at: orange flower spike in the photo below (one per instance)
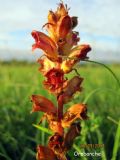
(45, 43)
(58, 45)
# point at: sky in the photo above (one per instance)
(99, 26)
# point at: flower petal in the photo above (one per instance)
(77, 111)
(54, 140)
(64, 27)
(51, 25)
(73, 132)
(52, 18)
(56, 127)
(67, 65)
(45, 43)
(45, 65)
(45, 153)
(43, 104)
(78, 53)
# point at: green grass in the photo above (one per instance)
(18, 136)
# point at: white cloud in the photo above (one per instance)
(101, 18)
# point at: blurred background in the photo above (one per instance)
(99, 26)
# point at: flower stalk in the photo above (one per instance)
(60, 109)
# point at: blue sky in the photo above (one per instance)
(99, 25)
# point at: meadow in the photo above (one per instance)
(101, 93)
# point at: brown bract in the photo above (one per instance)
(72, 133)
(71, 88)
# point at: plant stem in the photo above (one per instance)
(60, 107)
(116, 143)
(113, 120)
(106, 68)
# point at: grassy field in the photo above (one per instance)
(18, 136)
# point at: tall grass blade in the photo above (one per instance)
(3, 152)
(43, 129)
(76, 148)
(116, 142)
(95, 91)
(2, 156)
(28, 152)
(43, 134)
(31, 139)
(113, 120)
(100, 141)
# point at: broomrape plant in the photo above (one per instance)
(61, 53)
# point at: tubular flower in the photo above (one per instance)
(45, 153)
(57, 22)
(55, 79)
(43, 104)
(61, 53)
(45, 43)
